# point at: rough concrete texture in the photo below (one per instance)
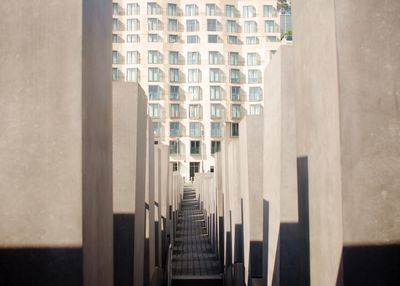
(369, 101)
(280, 178)
(348, 128)
(251, 178)
(55, 147)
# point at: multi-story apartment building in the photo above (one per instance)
(201, 64)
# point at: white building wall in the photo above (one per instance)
(264, 48)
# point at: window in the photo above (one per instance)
(154, 57)
(214, 58)
(173, 146)
(235, 111)
(195, 92)
(115, 74)
(115, 57)
(192, 25)
(174, 75)
(212, 39)
(194, 129)
(234, 58)
(174, 129)
(211, 9)
(115, 24)
(270, 26)
(252, 59)
(132, 57)
(154, 110)
(250, 27)
(115, 7)
(234, 129)
(173, 58)
(216, 111)
(174, 110)
(152, 38)
(115, 38)
(231, 26)
(249, 12)
(272, 39)
(268, 11)
(235, 76)
(193, 39)
(195, 147)
(172, 25)
(215, 75)
(193, 58)
(195, 111)
(215, 147)
(255, 109)
(154, 24)
(191, 10)
(132, 74)
(233, 40)
(215, 92)
(235, 93)
(194, 75)
(156, 129)
(153, 8)
(215, 129)
(132, 25)
(172, 38)
(172, 11)
(211, 25)
(229, 11)
(254, 76)
(254, 93)
(174, 92)
(154, 75)
(132, 38)
(132, 9)
(251, 40)
(154, 92)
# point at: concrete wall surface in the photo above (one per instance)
(129, 113)
(55, 147)
(347, 135)
(280, 180)
(251, 181)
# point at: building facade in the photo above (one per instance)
(201, 65)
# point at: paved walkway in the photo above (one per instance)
(192, 253)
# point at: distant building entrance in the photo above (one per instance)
(194, 168)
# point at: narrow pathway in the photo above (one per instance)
(192, 254)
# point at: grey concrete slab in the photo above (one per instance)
(348, 130)
(251, 191)
(129, 144)
(280, 179)
(55, 147)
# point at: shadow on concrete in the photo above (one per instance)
(304, 220)
(124, 239)
(371, 265)
(41, 266)
(255, 261)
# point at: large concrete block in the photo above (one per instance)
(280, 180)
(348, 130)
(235, 200)
(150, 255)
(56, 143)
(129, 157)
(251, 181)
